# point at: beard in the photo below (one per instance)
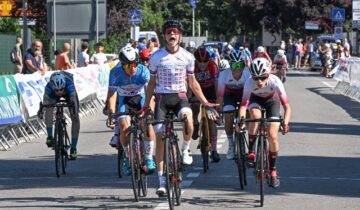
(37, 52)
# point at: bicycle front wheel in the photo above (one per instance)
(64, 154)
(143, 177)
(135, 169)
(240, 158)
(57, 148)
(168, 170)
(261, 171)
(120, 161)
(177, 177)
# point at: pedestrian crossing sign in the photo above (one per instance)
(338, 14)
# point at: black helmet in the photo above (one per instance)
(172, 24)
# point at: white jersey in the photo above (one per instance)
(171, 70)
(274, 88)
(228, 84)
(98, 58)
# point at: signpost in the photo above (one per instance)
(135, 17)
(338, 14)
(356, 13)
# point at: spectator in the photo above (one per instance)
(142, 43)
(298, 53)
(18, 64)
(339, 51)
(62, 61)
(309, 51)
(346, 46)
(134, 44)
(99, 57)
(156, 44)
(83, 58)
(290, 51)
(282, 45)
(34, 60)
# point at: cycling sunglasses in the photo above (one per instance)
(172, 30)
(129, 65)
(237, 65)
(261, 78)
(59, 90)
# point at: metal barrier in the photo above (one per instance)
(33, 128)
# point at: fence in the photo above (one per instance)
(347, 73)
(20, 96)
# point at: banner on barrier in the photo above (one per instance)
(85, 81)
(9, 101)
(348, 71)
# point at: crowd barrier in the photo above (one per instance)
(347, 73)
(20, 96)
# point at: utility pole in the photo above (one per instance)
(193, 22)
(25, 27)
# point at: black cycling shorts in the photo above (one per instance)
(271, 106)
(232, 99)
(169, 101)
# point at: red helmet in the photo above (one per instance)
(202, 55)
(145, 54)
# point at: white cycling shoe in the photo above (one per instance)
(161, 191)
(187, 157)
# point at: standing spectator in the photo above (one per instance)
(16, 56)
(298, 53)
(33, 59)
(156, 44)
(99, 57)
(83, 58)
(134, 44)
(309, 51)
(290, 51)
(339, 52)
(62, 61)
(346, 46)
(142, 43)
(282, 45)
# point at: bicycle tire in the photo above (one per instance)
(177, 172)
(63, 150)
(203, 147)
(120, 161)
(261, 171)
(57, 150)
(168, 174)
(143, 176)
(135, 170)
(239, 160)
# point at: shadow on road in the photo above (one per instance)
(302, 127)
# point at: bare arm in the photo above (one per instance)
(287, 113)
(150, 90)
(112, 101)
(196, 89)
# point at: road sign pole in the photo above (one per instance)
(193, 22)
(25, 27)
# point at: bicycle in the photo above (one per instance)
(240, 151)
(61, 137)
(261, 169)
(280, 71)
(120, 150)
(173, 165)
(136, 154)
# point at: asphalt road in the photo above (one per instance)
(318, 165)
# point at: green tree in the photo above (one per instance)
(9, 25)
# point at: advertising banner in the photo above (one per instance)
(9, 101)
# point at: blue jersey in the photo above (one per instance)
(70, 90)
(129, 85)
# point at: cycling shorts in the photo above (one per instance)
(271, 106)
(231, 101)
(130, 102)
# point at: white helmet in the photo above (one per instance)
(224, 64)
(338, 41)
(260, 67)
(57, 81)
(280, 52)
(261, 49)
(128, 55)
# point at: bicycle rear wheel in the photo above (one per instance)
(177, 160)
(204, 146)
(57, 148)
(143, 176)
(135, 169)
(168, 165)
(120, 161)
(64, 155)
(240, 158)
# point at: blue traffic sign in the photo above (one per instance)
(192, 3)
(135, 16)
(338, 14)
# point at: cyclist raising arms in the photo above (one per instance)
(129, 80)
(61, 85)
(172, 69)
(206, 73)
(264, 90)
(229, 93)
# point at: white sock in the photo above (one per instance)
(231, 140)
(186, 145)
(126, 151)
(149, 148)
(161, 178)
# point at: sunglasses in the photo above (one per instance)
(172, 30)
(237, 65)
(129, 65)
(262, 78)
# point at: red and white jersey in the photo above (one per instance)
(228, 84)
(208, 76)
(280, 60)
(171, 70)
(274, 88)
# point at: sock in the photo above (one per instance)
(49, 132)
(186, 145)
(252, 139)
(231, 140)
(161, 178)
(149, 148)
(126, 151)
(74, 143)
(213, 143)
(272, 160)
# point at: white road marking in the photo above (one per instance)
(193, 175)
(327, 84)
(186, 183)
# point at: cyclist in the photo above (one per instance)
(246, 54)
(206, 73)
(264, 90)
(61, 85)
(261, 53)
(145, 56)
(129, 80)
(172, 70)
(280, 62)
(229, 92)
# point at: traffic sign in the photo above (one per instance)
(338, 32)
(135, 16)
(192, 3)
(338, 14)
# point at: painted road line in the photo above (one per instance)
(186, 183)
(193, 175)
(327, 84)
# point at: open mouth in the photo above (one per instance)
(172, 39)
